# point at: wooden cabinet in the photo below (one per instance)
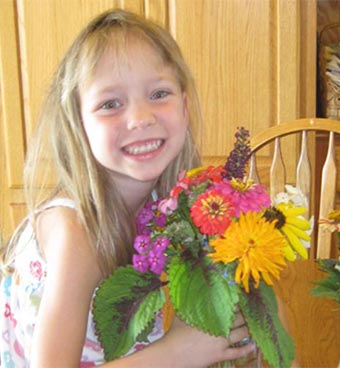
(254, 63)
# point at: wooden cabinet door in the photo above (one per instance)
(253, 60)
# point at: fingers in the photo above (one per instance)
(240, 342)
(239, 321)
(244, 341)
(239, 333)
(240, 352)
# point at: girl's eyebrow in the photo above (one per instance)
(106, 90)
(94, 90)
(115, 87)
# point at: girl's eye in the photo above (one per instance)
(159, 94)
(113, 104)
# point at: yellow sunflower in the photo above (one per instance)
(291, 223)
(256, 244)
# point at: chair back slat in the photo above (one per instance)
(253, 174)
(277, 171)
(327, 197)
(304, 171)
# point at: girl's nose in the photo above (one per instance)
(140, 116)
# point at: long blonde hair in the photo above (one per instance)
(60, 146)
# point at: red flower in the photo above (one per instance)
(215, 174)
(197, 176)
(201, 175)
(212, 212)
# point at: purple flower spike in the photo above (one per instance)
(239, 156)
(157, 261)
(160, 243)
(142, 244)
(140, 263)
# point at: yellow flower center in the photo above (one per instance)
(251, 244)
(214, 206)
(241, 185)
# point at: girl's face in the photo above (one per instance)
(134, 114)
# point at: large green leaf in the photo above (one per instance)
(202, 297)
(124, 306)
(259, 307)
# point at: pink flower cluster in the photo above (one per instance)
(150, 254)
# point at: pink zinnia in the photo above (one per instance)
(245, 195)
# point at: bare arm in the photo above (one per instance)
(72, 277)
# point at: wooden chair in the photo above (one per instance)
(320, 192)
(313, 322)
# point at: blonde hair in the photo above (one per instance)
(60, 145)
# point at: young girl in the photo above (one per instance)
(117, 126)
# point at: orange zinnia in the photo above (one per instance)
(256, 244)
(212, 212)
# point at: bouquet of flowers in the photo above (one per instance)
(216, 243)
(329, 287)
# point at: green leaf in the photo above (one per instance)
(124, 305)
(141, 321)
(260, 310)
(328, 287)
(180, 232)
(214, 310)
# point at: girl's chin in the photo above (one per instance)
(142, 177)
(146, 178)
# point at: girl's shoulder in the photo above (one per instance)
(28, 258)
(26, 230)
(57, 213)
(57, 219)
(65, 244)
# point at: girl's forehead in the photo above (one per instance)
(123, 52)
(134, 51)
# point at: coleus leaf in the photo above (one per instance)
(260, 310)
(202, 297)
(124, 305)
(328, 287)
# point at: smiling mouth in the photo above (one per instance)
(138, 149)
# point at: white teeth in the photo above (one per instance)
(149, 147)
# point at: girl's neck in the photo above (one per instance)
(135, 193)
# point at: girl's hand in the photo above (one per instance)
(187, 347)
(194, 348)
